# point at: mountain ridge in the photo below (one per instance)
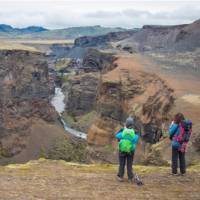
(38, 32)
(29, 29)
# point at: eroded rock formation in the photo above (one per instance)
(81, 90)
(102, 40)
(24, 101)
(125, 91)
(164, 38)
(81, 93)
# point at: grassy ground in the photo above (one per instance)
(14, 44)
(9, 45)
(43, 41)
(38, 41)
(45, 179)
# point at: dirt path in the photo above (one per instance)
(57, 180)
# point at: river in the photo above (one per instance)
(59, 105)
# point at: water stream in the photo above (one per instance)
(59, 105)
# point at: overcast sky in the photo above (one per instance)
(113, 13)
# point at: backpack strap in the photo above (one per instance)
(171, 136)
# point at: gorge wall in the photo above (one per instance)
(128, 91)
(114, 88)
(81, 89)
(26, 115)
(179, 38)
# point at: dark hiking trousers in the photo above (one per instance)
(123, 159)
(178, 155)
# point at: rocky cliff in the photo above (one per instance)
(81, 89)
(81, 93)
(114, 89)
(149, 38)
(126, 91)
(102, 40)
(165, 38)
(24, 105)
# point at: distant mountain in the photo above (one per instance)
(103, 40)
(5, 28)
(34, 32)
(185, 37)
(31, 29)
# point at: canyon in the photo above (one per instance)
(103, 79)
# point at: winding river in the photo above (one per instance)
(59, 105)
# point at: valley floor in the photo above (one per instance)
(57, 180)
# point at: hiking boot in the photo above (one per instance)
(183, 174)
(120, 179)
(174, 174)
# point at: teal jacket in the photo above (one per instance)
(174, 131)
(118, 136)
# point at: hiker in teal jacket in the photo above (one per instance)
(179, 132)
(128, 140)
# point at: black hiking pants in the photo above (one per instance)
(123, 159)
(178, 155)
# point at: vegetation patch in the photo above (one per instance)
(68, 149)
(62, 63)
(5, 45)
(81, 123)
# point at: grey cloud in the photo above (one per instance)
(52, 16)
(102, 14)
(137, 18)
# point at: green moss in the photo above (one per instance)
(87, 119)
(155, 157)
(68, 149)
(29, 169)
(65, 78)
(109, 149)
(23, 167)
(82, 122)
(68, 118)
(1, 153)
(62, 78)
(43, 153)
(62, 63)
(195, 166)
(113, 168)
(4, 153)
(136, 108)
(157, 146)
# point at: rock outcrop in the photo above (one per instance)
(81, 89)
(165, 38)
(59, 50)
(102, 41)
(81, 93)
(114, 89)
(96, 61)
(25, 99)
(125, 91)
